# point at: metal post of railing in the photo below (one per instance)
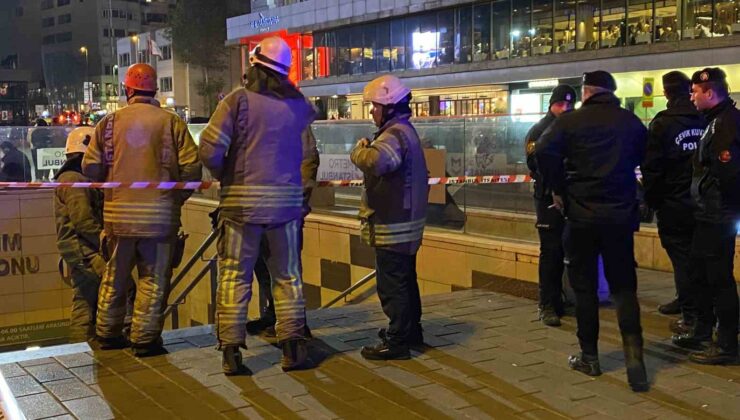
(175, 318)
(352, 288)
(181, 297)
(195, 258)
(214, 288)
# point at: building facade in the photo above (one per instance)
(468, 58)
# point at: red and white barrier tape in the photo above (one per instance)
(454, 180)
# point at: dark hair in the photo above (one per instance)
(677, 90)
(144, 93)
(41, 123)
(722, 89)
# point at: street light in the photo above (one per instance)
(86, 84)
(135, 39)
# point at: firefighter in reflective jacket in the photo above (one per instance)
(79, 220)
(393, 213)
(141, 142)
(252, 145)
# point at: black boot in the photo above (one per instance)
(415, 339)
(295, 355)
(155, 348)
(585, 363)
(633, 359)
(698, 339)
(549, 317)
(231, 361)
(260, 325)
(681, 326)
(384, 350)
(112, 343)
(670, 308)
(716, 355)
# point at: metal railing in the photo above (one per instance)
(351, 289)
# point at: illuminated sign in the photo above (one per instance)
(264, 22)
(542, 83)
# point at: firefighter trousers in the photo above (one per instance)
(85, 285)
(238, 249)
(152, 258)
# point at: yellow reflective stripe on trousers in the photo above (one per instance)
(396, 233)
(262, 196)
(143, 213)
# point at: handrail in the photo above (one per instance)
(351, 289)
(195, 258)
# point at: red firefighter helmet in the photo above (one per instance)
(142, 77)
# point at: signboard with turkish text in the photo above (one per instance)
(51, 158)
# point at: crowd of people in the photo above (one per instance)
(586, 199)
(259, 146)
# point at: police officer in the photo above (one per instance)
(393, 213)
(673, 137)
(252, 144)
(549, 219)
(79, 221)
(588, 158)
(141, 142)
(716, 188)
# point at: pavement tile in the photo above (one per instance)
(49, 372)
(10, 370)
(205, 340)
(34, 362)
(90, 408)
(90, 374)
(75, 360)
(21, 386)
(401, 377)
(69, 389)
(40, 406)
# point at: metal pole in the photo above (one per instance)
(352, 288)
(214, 288)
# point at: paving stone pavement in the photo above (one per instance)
(488, 357)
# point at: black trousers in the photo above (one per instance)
(550, 225)
(615, 244)
(713, 252)
(398, 291)
(676, 235)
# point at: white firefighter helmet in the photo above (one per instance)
(272, 52)
(78, 139)
(385, 90)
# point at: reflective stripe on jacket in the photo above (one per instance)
(142, 142)
(254, 145)
(394, 201)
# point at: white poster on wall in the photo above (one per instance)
(337, 167)
(51, 158)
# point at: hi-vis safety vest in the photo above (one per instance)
(394, 201)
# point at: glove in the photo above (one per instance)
(214, 218)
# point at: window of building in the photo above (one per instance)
(482, 32)
(726, 17)
(143, 56)
(47, 22)
(48, 39)
(61, 3)
(542, 25)
(64, 19)
(326, 53)
(446, 28)
(355, 51)
(108, 70)
(19, 11)
(119, 33)
(501, 14)
(640, 21)
(307, 57)
(383, 46)
(124, 60)
(344, 60)
(47, 4)
(64, 37)
(564, 31)
(589, 22)
(166, 52)
(666, 21)
(464, 34)
(613, 24)
(422, 40)
(165, 84)
(398, 45)
(369, 45)
(521, 28)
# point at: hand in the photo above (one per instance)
(557, 203)
(363, 142)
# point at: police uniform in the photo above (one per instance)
(588, 157)
(716, 189)
(253, 146)
(141, 142)
(550, 221)
(673, 138)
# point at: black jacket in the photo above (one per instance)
(589, 157)
(716, 182)
(673, 138)
(533, 135)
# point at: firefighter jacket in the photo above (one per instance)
(589, 156)
(394, 202)
(253, 145)
(716, 181)
(673, 138)
(142, 143)
(79, 219)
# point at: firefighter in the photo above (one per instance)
(252, 145)
(393, 213)
(550, 221)
(716, 189)
(141, 142)
(79, 221)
